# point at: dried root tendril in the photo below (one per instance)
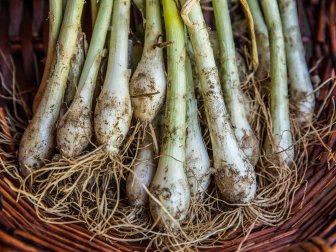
(255, 59)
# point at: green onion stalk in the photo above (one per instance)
(170, 189)
(113, 112)
(300, 85)
(240, 62)
(279, 140)
(233, 96)
(38, 141)
(234, 174)
(55, 21)
(111, 123)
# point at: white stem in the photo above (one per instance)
(113, 111)
(55, 21)
(197, 158)
(75, 128)
(142, 174)
(170, 185)
(148, 83)
(76, 67)
(241, 66)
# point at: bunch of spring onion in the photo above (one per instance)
(113, 110)
(75, 128)
(91, 135)
(74, 131)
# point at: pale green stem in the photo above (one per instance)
(235, 99)
(176, 91)
(153, 25)
(281, 139)
(301, 88)
(98, 38)
(55, 21)
(197, 158)
(118, 48)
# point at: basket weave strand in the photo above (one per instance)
(23, 38)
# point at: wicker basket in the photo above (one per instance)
(23, 43)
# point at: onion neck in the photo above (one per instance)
(98, 39)
(117, 68)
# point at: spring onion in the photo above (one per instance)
(113, 112)
(38, 141)
(301, 89)
(197, 157)
(142, 173)
(170, 188)
(233, 96)
(262, 40)
(279, 140)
